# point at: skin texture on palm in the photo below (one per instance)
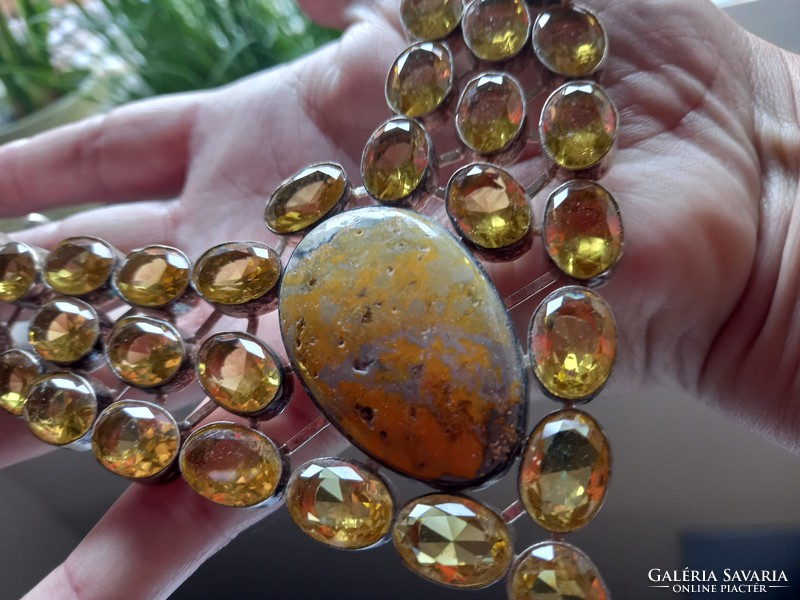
(706, 174)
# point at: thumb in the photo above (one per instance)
(340, 14)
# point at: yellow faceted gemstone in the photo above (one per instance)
(135, 439)
(453, 541)
(578, 125)
(144, 352)
(573, 343)
(339, 503)
(569, 40)
(496, 30)
(239, 372)
(305, 198)
(18, 369)
(17, 271)
(491, 113)
(555, 570)
(430, 19)
(64, 330)
(60, 408)
(564, 471)
(232, 465)
(153, 276)
(582, 229)
(79, 265)
(237, 273)
(488, 206)
(395, 160)
(420, 79)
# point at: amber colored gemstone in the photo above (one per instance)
(430, 19)
(339, 503)
(578, 125)
(64, 330)
(232, 465)
(144, 352)
(582, 229)
(395, 160)
(135, 439)
(573, 343)
(239, 372)
(153, 276)
(555, 570)
(488, 206)
(404, 344)
(18, 369)
(453, 541)
(60, 408)
(17, 271)
(496, 29)
(79, 265)
(420, 79)
(490, 113)
(569, 40)
(564, 471)
(305, 198)
(237, 272)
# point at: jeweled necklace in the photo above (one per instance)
(390, 324)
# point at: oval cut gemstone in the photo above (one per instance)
(420, 79)
(555, 570)
(18, 369)
(79, 265)
(339, 503)
(305, 198)
(569, 40)
(404, 344)
(232, 465)
(578, 125)
(135, 439)
(564, 471)
(487, 206)
(453, 541)
(60, 408)
(18, 271)
(153, 276)
(144, 352)
(430, 19)
(496, 30)
(573, 343)
(64, 330)
(237, 273)
(490, 113)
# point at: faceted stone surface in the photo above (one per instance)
(453, 540)
(135, 439)
(395, 160)
(488, 206)
(79, 265)
(564, 471)
(18, 369)
(405, 345)
(144, 352)
(64, 330)
(420, 79)
(430, 19)
(582, 229)
(555, 571)
(153, 276)
(61, 408)
(496, 29)
(569, 40)
(305, 198)
(491, 113)
(239, 372)
(17, 271)
(231, 464)
(237, 272)
(578, 125)
(339, 503)
(573, 343)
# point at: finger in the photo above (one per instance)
(17, 443)
(340, 14)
